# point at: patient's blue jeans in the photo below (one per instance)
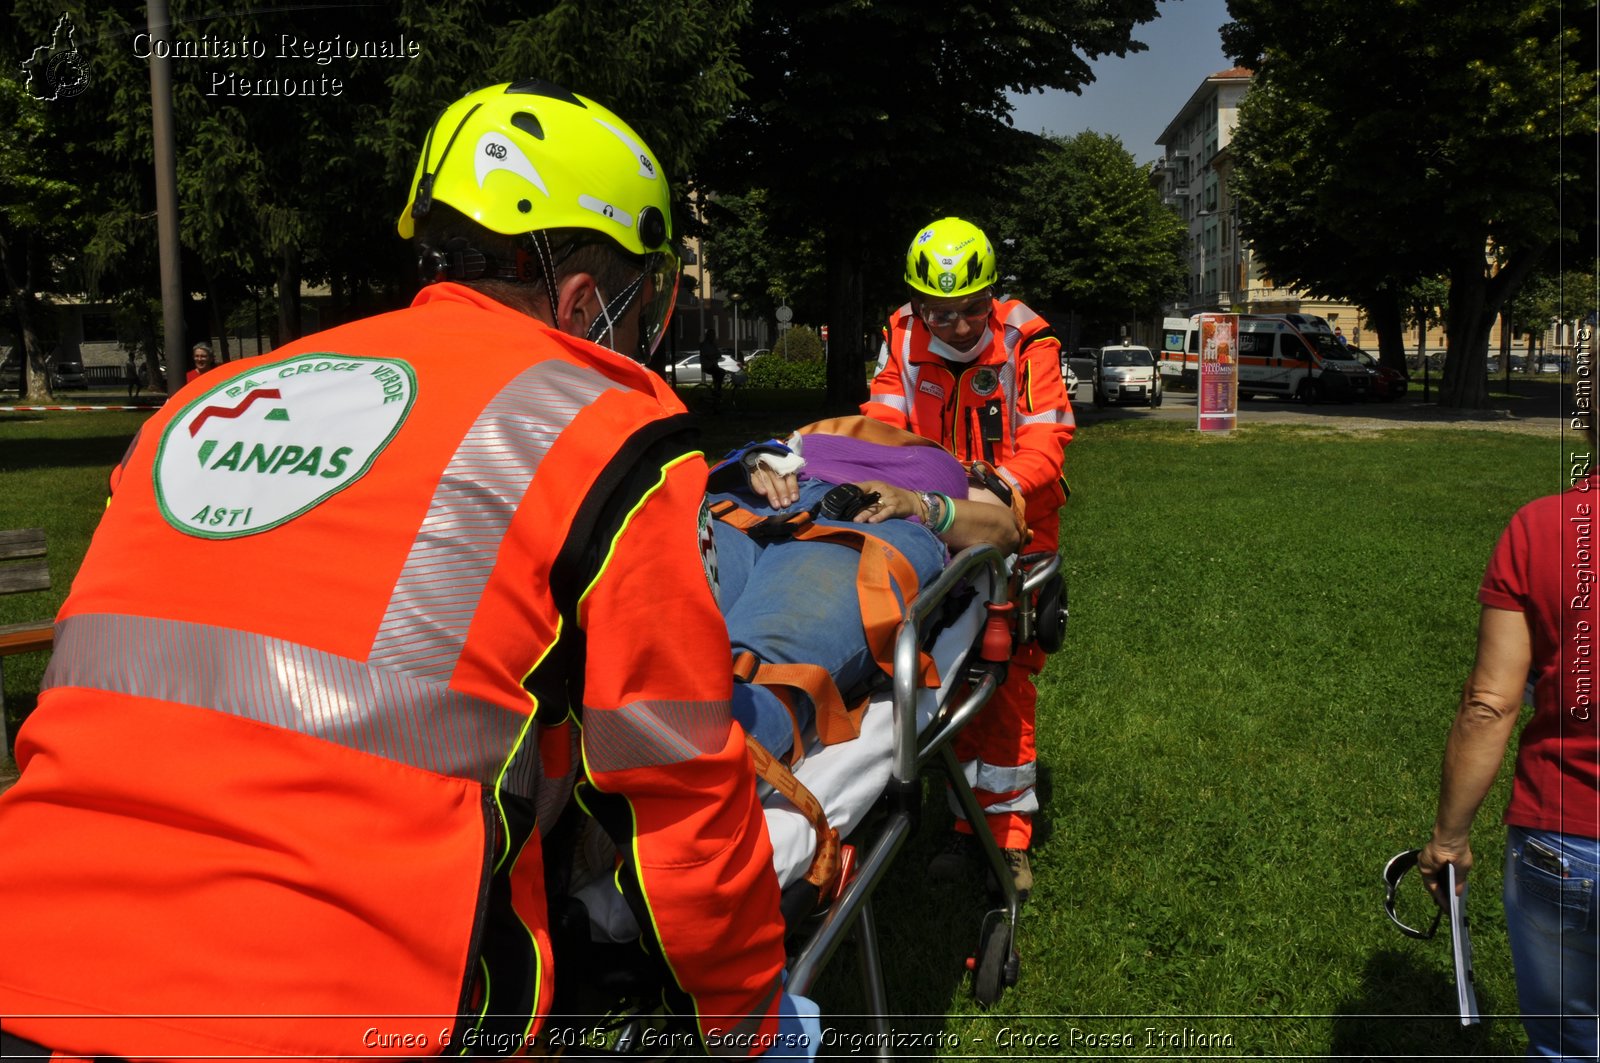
(1555, 940)
(796, 602)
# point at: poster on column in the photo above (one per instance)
(1219, 372)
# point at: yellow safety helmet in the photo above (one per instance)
(950, 258)
(529, 156)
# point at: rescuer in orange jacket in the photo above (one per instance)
(447, 563)
(982, 376)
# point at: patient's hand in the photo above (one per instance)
(892, 502)
(779, 489)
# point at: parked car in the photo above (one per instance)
(1069, 377)
(68, 376)
(1125, 374)
(689, 373)
(1386, 383)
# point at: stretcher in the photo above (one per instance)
(969, 619)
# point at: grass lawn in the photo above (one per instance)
(1269, 632)
(1267, 641)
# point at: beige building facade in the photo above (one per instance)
(1193, 177)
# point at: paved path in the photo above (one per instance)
(1536, 414)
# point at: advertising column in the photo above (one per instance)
(1219, 372)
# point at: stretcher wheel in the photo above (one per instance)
(1050, 614)
(996, 965)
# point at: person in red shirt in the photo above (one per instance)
(981, 376)
(443, 568)
(1539, 618)
(201, 356)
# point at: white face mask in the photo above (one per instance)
(944, 350)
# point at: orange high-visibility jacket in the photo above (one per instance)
(288, 800)
(1007, 407)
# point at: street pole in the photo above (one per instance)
(735, 298)
(166, 159)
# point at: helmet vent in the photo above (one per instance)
(541, 87)
(525, 121)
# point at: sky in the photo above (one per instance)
(1136, 96)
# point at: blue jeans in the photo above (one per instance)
(1555, 939)
(795, 602)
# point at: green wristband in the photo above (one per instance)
(947, 513)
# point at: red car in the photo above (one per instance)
(1387, 383)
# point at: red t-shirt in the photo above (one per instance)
(1545, 567)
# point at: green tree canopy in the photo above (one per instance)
(39, 217)
(1416, 140)
(1086, 232)
(866, 119)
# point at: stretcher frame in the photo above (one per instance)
(915, 748)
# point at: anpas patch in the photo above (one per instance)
(268, 445)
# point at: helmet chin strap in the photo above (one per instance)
(605, 323)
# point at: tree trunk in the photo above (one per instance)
(1383, 311)
(847, 384)
(1505, 344)
(219, 325)
(288, 296)
(30, 359)
(1466, 330)
(1475, 299)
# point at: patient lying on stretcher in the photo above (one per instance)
(788, 587)
(813, 578)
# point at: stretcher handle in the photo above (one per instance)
(908, 642)
(1036, 569)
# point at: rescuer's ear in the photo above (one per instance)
(577, 304)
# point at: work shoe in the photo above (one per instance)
(1021, 872)
(955, 859)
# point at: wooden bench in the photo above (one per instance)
(22, 568)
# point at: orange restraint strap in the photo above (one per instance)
(825, 866)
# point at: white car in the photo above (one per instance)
(1069, 377)
(1125, 374)
(690, 374)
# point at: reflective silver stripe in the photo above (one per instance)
(1047, 417)
(645, 734)
(1027, 801)
(910, 375)
(994, 779)
(1018, 316)
(437, 592)
(350, 703)
(894, 402)
(1008, 384)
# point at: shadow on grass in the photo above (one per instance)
(1405, 1010)
(42, 452)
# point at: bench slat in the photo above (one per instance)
(27, 576)
(17, 543)
(26, 638)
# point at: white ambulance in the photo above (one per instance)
(1283, 355)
